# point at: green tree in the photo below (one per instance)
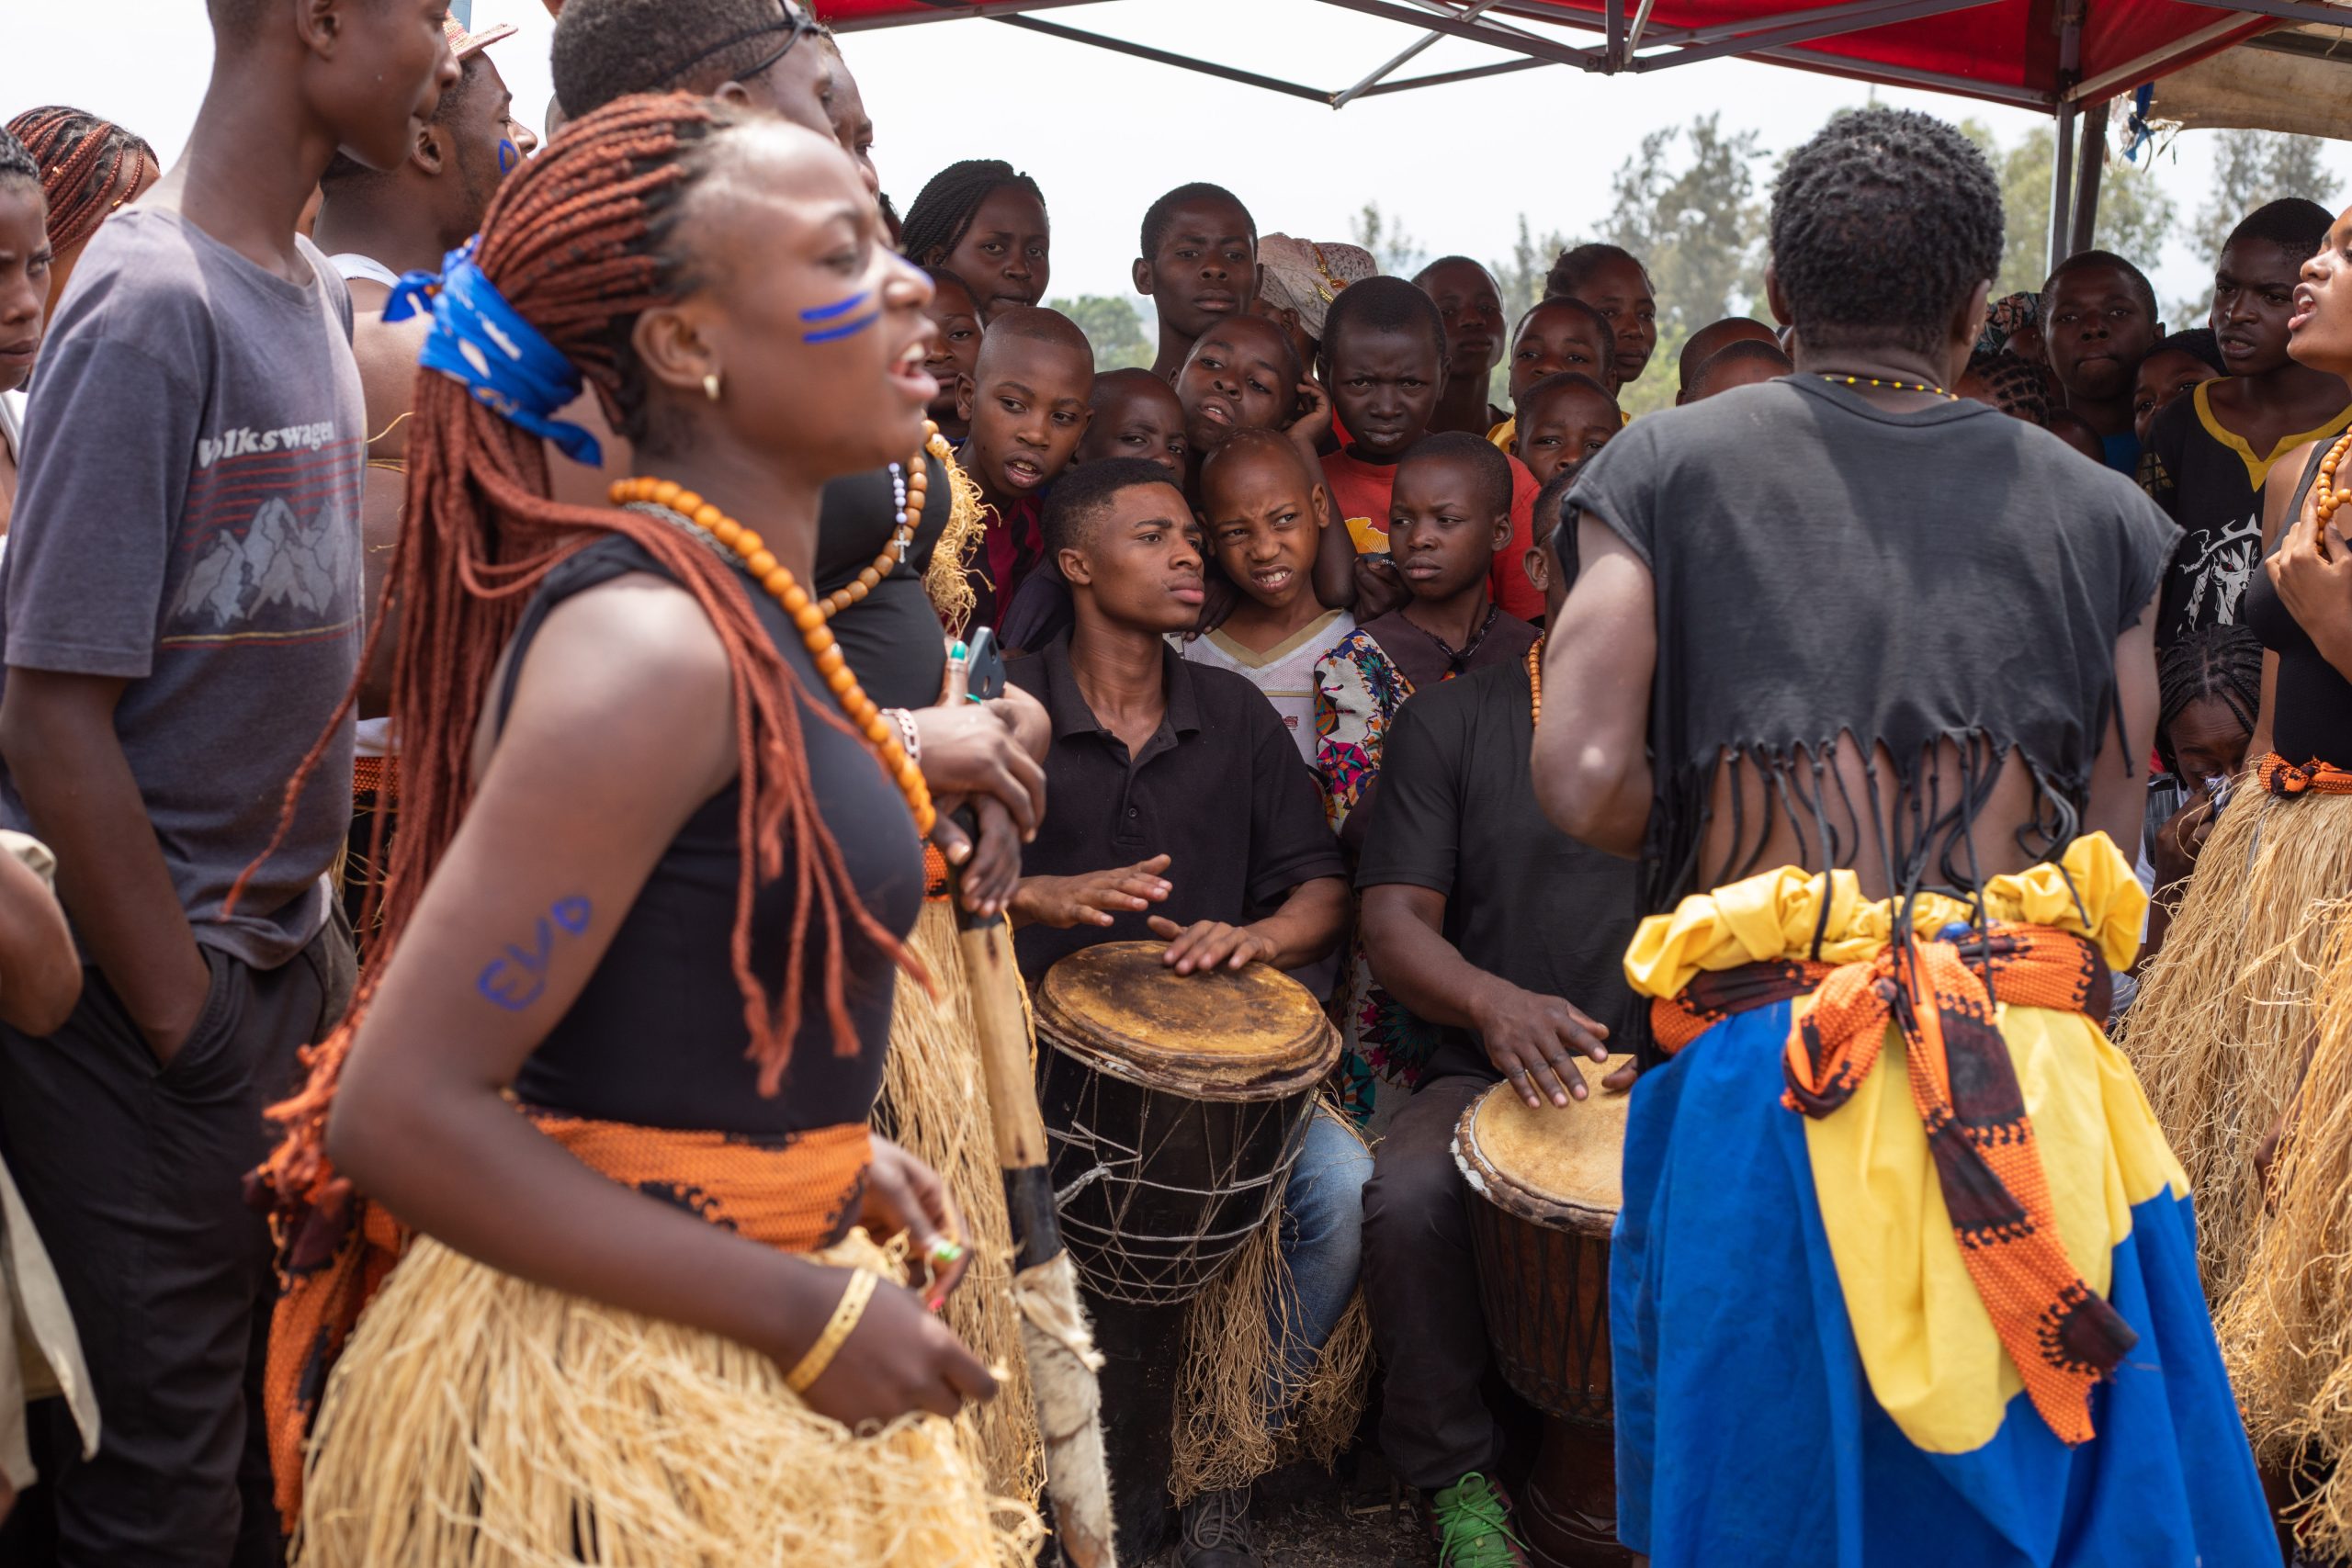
(2136, 216)
(1383, 235)
(1115, 327)
(2250, 168)
(1686, 203)
(1520, 283)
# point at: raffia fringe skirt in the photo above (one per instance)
(935, 1104)
(2228, 1007)
(479, 1420)
(2286, 1332)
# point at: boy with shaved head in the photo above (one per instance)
(1263, 513)
(1181, 813)
(1028, 406)
(1742, 362)
(1712, 340)
(1562, 420)
(1198, 263)
(182, 620)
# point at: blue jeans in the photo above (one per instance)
(1322, 1242)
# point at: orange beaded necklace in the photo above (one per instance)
(684, 506)
(2325, 497)
(913, 484)
(1536, 684)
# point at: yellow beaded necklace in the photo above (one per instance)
(752, 554)
(1890, 386)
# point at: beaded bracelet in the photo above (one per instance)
(838, 1327)
(909, 734)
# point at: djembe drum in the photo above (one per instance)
(1175, 1106)
(1547, 1186)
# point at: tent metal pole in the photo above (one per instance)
(1343, 99)
(1480, 32)
(2091, 155)
(2132, 72)
(1634, 33)
(1826, 23)
(2062, 188)
(1163, 57)
(2061, 175)
(953, 10)
(2287, 11)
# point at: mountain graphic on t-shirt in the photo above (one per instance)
(280, 563)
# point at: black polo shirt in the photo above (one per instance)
(1219, 788)
(1457, 814)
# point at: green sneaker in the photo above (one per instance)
(1471, 1522)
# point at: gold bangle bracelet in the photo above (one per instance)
(846, 1312)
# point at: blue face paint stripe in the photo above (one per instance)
(849, 329)
(839, 309)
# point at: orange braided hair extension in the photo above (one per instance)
(88, 168)
(576, 241)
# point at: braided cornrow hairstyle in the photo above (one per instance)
(579, 242)
(88, 168)
(942, 214)
(2222, 662)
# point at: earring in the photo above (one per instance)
(710, 386)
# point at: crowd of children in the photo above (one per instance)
(524, 670)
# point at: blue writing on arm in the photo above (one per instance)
(516, 980)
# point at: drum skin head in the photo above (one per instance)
(1559, 1168)
(1248, 1034)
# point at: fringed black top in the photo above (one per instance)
(1824, 569)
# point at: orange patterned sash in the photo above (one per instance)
(2060, 1333)
(796, 1192)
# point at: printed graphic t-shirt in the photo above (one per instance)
(188, 521)
(1360, 490)
(2210, 481)
(1285, 673)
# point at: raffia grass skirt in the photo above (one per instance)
(2227, 1008)
(935, 1104)
(477, 1419)
(2286, 1332)
(1228, 1431)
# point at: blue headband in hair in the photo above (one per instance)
(481, 341)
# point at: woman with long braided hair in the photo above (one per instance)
(986, 222)
(90, 169)
(611, 1061)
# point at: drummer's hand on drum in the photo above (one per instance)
(898, 1360)
(1533, 1042)
(902, 1193)
(1092, 899)
(1208, 944)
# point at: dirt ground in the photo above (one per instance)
(1305, 1518)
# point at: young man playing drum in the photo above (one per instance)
(1181, 812)
(1503, 935)
(1904, 1270)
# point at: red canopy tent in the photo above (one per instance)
(2067, 58)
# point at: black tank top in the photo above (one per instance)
(891, 638)
(658, 1036)
(2311, 704)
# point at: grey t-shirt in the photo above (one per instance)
(187, 519)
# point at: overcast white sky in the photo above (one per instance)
(1103, 133)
